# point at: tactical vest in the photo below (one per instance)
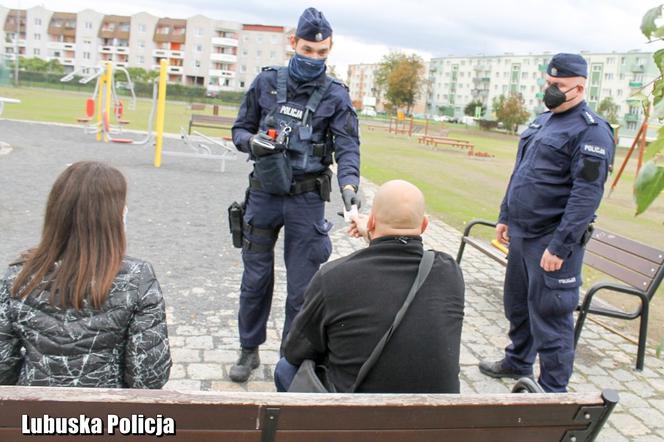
(307, 151)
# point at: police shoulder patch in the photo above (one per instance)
(591, 149)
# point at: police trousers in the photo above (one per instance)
(306, 246)
(539, 306)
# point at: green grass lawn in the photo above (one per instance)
(457, 187)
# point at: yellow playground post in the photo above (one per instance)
(161, 112)
(109, 94)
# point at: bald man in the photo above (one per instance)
(352, 301)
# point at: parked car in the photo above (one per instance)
(368, 111)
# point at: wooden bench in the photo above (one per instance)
(639, 266)
(197, 106)
(288, 417)
(210, 121)
(435, 141)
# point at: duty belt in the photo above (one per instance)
(301, 184)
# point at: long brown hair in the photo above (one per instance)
(83, 239)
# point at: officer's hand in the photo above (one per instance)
(358, 227)
(550, 262)
(350, 198)
(260, 146)
(501, 233)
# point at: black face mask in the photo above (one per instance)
(554, 97)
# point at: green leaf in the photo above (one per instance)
(648, 26)
(648, 186)
(658, 57)
(656, 146)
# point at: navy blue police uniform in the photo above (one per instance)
(316, 121)
(557, 184)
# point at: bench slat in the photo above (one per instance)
(625, 259)
(486, 248)
(628, 245)
(634, 279)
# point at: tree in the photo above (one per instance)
(470, 108)
(400, 77)
(650, 180)
(510, 111)
(609, 110)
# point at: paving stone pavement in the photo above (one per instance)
(177, 221)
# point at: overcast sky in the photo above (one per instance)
(365, 30)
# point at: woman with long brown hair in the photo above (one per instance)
(75, 311)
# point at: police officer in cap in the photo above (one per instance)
(293, 122)
(556, 186)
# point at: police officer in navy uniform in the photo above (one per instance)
(293, 121)
(556, 186)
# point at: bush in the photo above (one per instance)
(488, 124)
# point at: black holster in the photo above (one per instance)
(324, 185)
(587, 235)
(235, 221)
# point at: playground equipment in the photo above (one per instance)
(4, 74)
(640, 142)
(101, 75)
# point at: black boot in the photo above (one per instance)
(500, 369)
(248, 361)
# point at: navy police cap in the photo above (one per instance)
(567, 65)
(313, 26)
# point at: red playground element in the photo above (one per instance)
(90, 107)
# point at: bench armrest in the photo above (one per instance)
(466, 233)
(619, 288)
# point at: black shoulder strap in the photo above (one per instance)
(425, 267)
(282, 85)
(317, 96)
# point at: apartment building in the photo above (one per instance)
(457, 81)
(201, 51)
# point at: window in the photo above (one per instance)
(88, 25)
(245, 52)
(141, 44)
(87, 42)
(243, 68)
(37, 36)
(35, 51)
(141, 59)
(259, 39)
(606, 92)
(274, 40)
(199, 48)
(197, 63)
(619, 93)
(242, 84)
(142, 28)
(273, 55)
(86, 55)
(259, 53)
(608, 76)
(38, 22)
(610, 60)
(199, 32)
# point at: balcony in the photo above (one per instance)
(539, 95)
(121, 64)
(176, 54)
(223, 41)
(67, 61)
(179, 70)
(635, 84)
(541, 81)
(631, 118)
(106, 49)
(637, 68)
(61, 46)
(161, 53)
(221, 73)
(480, 67)
(224, 58)
(122, 50)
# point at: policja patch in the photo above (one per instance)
(291, 111)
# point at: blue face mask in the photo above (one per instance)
(305, 69)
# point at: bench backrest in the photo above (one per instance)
(629, 261)
(266, 417)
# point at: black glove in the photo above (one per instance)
(349, 195)
(261, 145)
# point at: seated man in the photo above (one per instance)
(351, 302)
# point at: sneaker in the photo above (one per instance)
(499, 369)
(248, 361)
